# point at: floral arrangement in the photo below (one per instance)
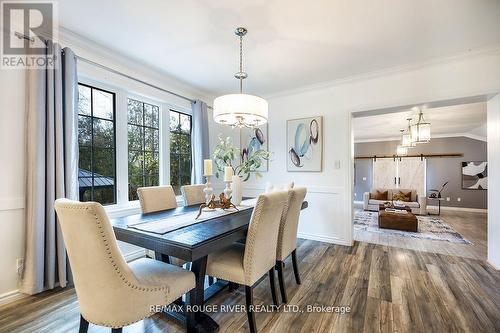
(225, 154)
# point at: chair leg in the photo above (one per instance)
(281, 281)
(190, 315)
(84, 325)
(295, 266)
(273, 286)
(250, 313)
(116, 330)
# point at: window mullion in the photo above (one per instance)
(121, 119)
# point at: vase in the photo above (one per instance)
(237, 190)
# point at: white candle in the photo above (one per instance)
(207, 167)
(228, 174)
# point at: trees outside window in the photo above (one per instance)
(143, 146)
(96, 143)
(180, 150)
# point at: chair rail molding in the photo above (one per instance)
(11, 203)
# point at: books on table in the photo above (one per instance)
(397, 211)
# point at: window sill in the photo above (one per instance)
(130, 208)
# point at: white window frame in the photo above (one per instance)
(123, 206)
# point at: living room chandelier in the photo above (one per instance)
(240, 110)
(419, 132)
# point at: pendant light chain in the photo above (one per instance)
(241, 64)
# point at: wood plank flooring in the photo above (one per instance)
(473, 226)
(388, 289)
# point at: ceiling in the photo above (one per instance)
(290, 44)
(468, 119)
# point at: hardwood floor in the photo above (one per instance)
(388, 289)
(473, 226)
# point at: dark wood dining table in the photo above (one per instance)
(192, 243)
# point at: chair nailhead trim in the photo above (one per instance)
(123, 278)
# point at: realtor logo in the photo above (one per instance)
(26, 25)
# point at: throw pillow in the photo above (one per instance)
(381, 195)
(400, 196)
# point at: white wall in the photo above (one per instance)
(12, 140)
(494, 181)
(329, 215)
(12, 143)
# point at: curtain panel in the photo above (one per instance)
(52, 167)
(199, 140)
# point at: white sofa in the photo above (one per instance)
(417, 204)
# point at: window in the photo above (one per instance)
(180, 150)
(143, 146)
(96, 143)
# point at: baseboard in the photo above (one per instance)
(134, 255)
(325, 239)
(461, 209)
(493, 265)
(11, 296)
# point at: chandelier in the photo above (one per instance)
(240, 110)
(406, 139)
(401, 150)
(421, 131)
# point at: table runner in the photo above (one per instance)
(163, 225)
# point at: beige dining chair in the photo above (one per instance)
(110, 292)
(287, 237)
(155, 199)
(193, 194)
(247, 263)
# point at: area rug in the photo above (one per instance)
(429, 227)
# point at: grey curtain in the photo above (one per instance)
(199, 140)
(52, 167)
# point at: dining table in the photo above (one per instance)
(192, 243)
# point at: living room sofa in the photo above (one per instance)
(417, 204)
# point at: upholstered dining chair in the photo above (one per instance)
(155, 199)
(111, 292)
(193, 194)
(247, 263)
(287, 237)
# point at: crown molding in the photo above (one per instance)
(436, 136)
(99, 53)
(479, 53)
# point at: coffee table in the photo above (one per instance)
(405, 222)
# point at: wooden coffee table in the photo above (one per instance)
(397, 221)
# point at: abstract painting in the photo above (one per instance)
(475, 175)
(253, 139)
(304, 144)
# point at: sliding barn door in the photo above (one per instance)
(411, 173)
(384, 173)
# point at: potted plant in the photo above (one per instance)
(225, 154)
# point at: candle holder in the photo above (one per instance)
(228, 191)
(208, 190)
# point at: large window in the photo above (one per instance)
(143, 146)
(96, 142)
(180, 150)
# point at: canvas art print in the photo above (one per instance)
(253, 139)
(475, 175)
(305, 144)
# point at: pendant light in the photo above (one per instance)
(240, 110)
(406, 140)
(401, 150)
(421, 131)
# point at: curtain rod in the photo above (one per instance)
(114, 71)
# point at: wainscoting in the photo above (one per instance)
(326, 219)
